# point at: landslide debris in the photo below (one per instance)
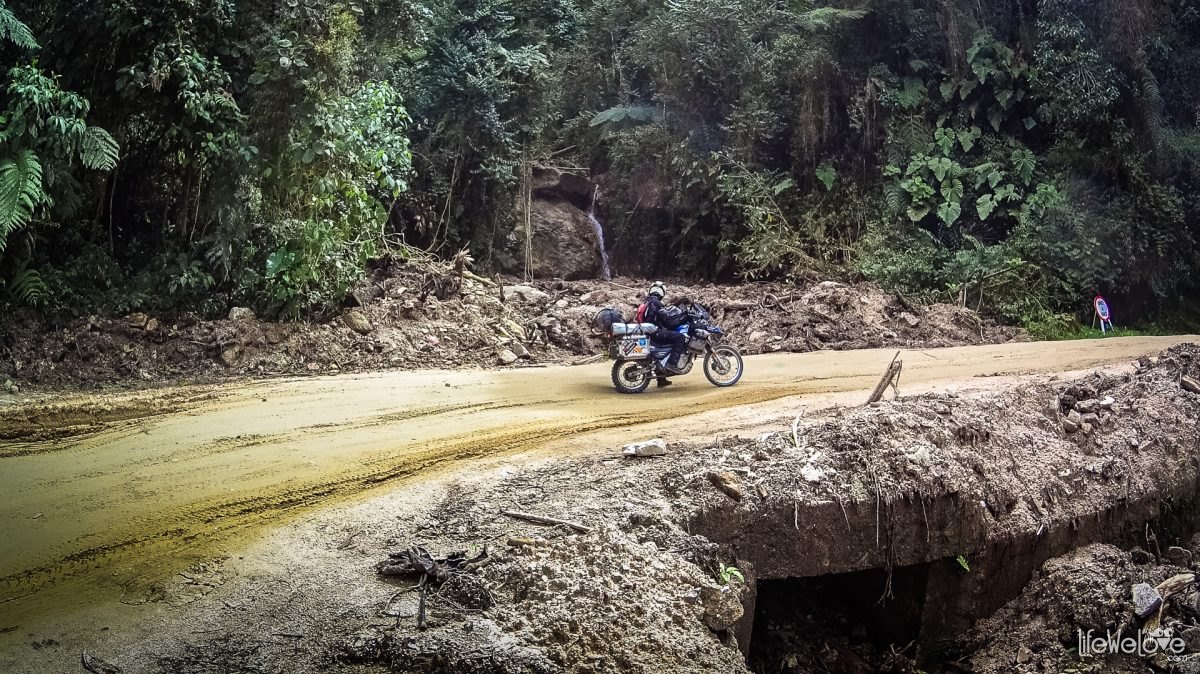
(405, 315)
(648, 589)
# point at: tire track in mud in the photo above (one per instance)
(152, 546)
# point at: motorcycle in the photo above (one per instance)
(639, 360)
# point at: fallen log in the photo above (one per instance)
(548, 521)
(1189, 384)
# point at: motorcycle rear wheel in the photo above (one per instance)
(630, 376)
(723, 366)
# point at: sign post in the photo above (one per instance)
(1103, 314)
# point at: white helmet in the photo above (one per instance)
(658, 288)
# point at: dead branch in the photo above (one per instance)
(889, 375)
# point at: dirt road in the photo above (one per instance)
(118, 491)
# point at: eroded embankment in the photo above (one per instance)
(910, 520)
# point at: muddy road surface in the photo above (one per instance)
(105, 496)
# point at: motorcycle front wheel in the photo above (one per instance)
(630, 376)
(723, 366)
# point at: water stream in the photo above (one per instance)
(605, 272)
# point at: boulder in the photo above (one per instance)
(722, 607)
(241, 314)
(231, 356)
(506, 357)
(1146, 600)
(552, 182)
(655, 447)
(363, 295)
(357, 322)
(515, 329)
(564, 243)
(525, 294)
(1179, 556)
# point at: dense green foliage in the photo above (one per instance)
(1015, 156)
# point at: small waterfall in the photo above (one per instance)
(605, 272)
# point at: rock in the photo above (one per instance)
(10, 387)
(1139, 556)
(655, 447)
(1024, 655)
(525, 294)
(97, 666)
(941, 409)
(1070, 426)
(241, 314)
(1179, 556)
(1190, 384)
(721, 607)
(515, 329)
(520, 350)
(594, 297)
(231, 356)
(911, 320)
(1107, 403)
(152, 325)
(1191, 639)
(432, 341)
(1087, 406)
(757, 336)
(728, 484)
(506, 357)
(363, 295)
(552, 182)
(563, 241)
(137, 321)
(562, 304)
(1089, 419)
(811, 473)
(357, 322)
(1146, 600)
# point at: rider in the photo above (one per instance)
(665, 335)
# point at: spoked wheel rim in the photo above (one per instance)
(630, 377)
(723, 366)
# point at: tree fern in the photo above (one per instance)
(20, 192)
(99, 150)
(12, 30)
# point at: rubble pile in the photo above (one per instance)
(408, 316)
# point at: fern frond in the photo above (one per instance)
(99, 150)
(827, 17)
(27, 287)
(13, 30)
(20, 192)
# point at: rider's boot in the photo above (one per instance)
(663, 382)
(672, 366)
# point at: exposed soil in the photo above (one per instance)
(946, 504)
(422, 317)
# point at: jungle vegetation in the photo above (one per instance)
(1018, 155)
